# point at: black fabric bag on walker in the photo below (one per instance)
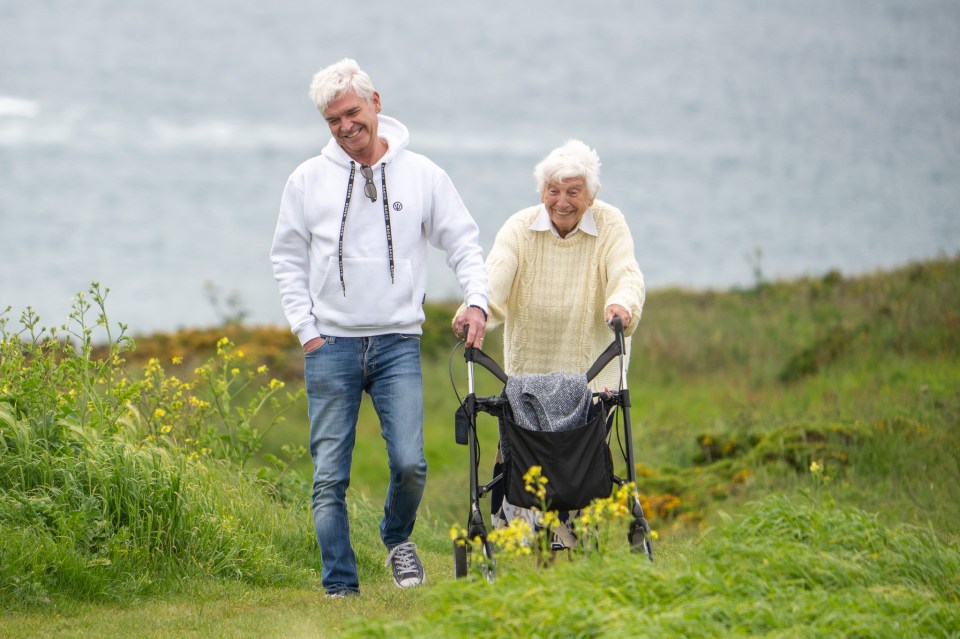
(576, 462)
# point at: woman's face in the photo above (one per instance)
(566, 202)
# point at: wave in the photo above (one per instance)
(81, 127)
(17, 107)
(229, 134)
(23, 125)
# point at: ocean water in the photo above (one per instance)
(144, 146)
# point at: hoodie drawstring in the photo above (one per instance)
(386, 220)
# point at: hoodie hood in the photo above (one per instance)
(396, 135)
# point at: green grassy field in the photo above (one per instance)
(797, 450)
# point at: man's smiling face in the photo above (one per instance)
(353, 124)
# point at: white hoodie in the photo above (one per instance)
(423, 206)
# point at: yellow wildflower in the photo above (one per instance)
(535, 483)
(513, 539)
(534, 471)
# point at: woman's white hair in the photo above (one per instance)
(572, 160)
(333, 81)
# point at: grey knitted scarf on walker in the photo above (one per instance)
(549, 402)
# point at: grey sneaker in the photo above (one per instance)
(341, 594)
(407, 569)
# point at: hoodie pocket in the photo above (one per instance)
(371, 299)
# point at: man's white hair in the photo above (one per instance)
(333, 81)
(572, 160)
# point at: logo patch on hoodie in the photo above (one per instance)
(397, 206)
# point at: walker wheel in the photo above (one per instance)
(489, 566)
(460, 562)
(639, 538)
(463, 558)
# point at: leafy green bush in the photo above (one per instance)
(112, 486)
(92, 516)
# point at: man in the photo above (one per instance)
(349, 254)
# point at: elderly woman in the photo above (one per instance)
(557, 273)
(560, 270)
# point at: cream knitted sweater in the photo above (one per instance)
(551, 293)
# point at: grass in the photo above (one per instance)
(781, 569)
(796, 443)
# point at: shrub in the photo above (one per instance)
(112, 485)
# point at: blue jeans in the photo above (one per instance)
(387, 367)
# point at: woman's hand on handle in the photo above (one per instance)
(615, 310)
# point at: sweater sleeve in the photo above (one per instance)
(625, 285)
(502, 266)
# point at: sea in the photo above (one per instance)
(144, 145)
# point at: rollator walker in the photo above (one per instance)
(577, 463)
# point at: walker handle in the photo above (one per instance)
(472, 355)
(468, 351)
(617, 348)
(616, 325)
